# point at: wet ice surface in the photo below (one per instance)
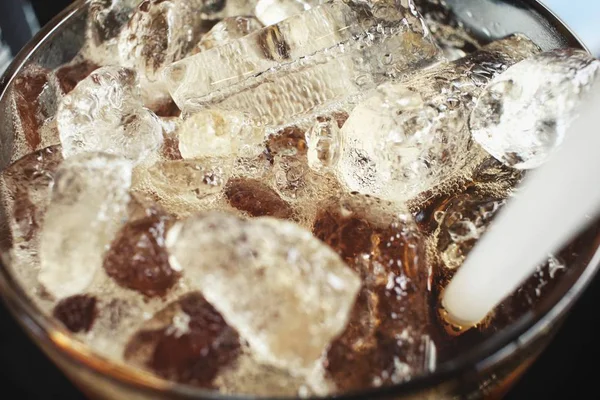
(522, 116)
(410, 136)
(89, 200)
(297, 292)
(104, 113)
(284, 71)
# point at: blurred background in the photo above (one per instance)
(562, 372)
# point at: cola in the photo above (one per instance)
(269, 198)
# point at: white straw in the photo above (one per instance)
(555, 202)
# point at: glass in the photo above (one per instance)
(487, 371)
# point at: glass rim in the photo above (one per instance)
(489, 352)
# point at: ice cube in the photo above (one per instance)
(158, 33)
(29, 108)
(410, 136)
(106, 18)
(137, 258)
(293, 178)
(214, 133)
(89, 202)
(200, 178)
(226, 30)
(104, 113)
(324, 142)
(522, 116)
(183, 187)
(27, 185)
(271, 12)
(304, 63)
(387, 339)
(187, 342)
(297, 293)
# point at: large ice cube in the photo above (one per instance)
(410, 136)
(523, 115)
(158, 33)
(89, 202)
(104, 113)
(285, 292)
(306, 62)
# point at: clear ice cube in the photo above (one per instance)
(158, 33)
(214, 133)
(293, 178)
(106, 19)
(522, 116)
(226, 30)
(410, 136)
(271, 12)
(27, 186)
(104, 113)
(324, 142)
(89, 201)
(182, 187)
(298, 293)
(304, 63)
